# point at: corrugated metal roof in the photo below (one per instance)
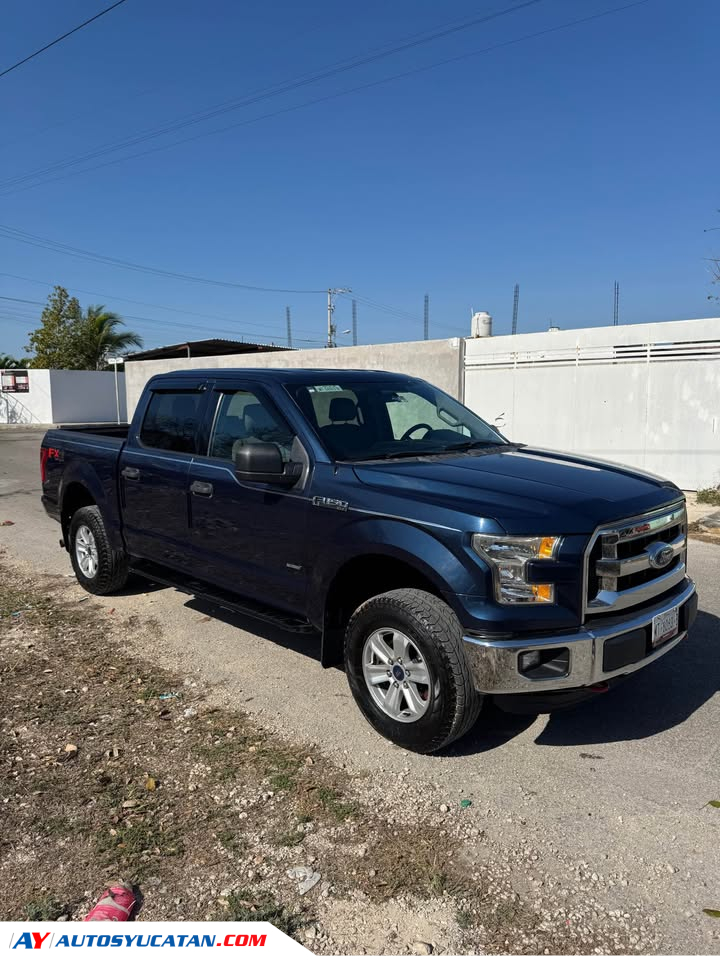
(214, 347)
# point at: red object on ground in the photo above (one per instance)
(115, 903)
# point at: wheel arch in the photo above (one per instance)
(86, 484)
(75, 495)
(360, 578)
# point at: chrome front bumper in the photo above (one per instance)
(495, 663)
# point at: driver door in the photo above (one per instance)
(247, 537)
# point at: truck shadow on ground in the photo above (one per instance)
(658, 698)
(306, 644)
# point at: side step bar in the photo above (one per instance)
(221, 598)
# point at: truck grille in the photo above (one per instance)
(636, 560)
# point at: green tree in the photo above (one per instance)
(68, 339)
(100, 337)
(11, 363)
(53, 343)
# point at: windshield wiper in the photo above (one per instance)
(474, 444)
(396, 455)
(453, 448)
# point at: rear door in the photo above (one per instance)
(248, 537)
(154, 469)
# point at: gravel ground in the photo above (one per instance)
(111, 767)
(596, 815)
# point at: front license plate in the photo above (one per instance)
(665, 626)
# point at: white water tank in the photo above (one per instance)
(481, 324)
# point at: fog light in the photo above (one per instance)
(545, 664)
(529, 660)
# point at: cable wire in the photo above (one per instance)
(59, 39)
(108, 297)
(12, 233)
(273, 91)
(334, 96)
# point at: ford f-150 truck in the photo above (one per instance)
(441, 561)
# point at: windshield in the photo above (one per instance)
(370, 419)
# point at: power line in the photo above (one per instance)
(383, 308)
(32, 319)
(11, 233)
(142, 303)
(59, 39)
(403, 314)
(283, 87)
(19, 300)
(327, 97)
(63, 248)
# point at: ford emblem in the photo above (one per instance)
(660, 555)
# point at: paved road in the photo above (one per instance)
(620, 784)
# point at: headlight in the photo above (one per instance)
(508, 558)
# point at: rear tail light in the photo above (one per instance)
(44, 454)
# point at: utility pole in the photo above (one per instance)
(354, 322)
(332, 328)
(616, 304)
(516, 302)
(289, 326)
(426, 318)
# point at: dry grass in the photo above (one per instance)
(105, 776)
(710, 495)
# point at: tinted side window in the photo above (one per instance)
(244, 417)
(171, 421)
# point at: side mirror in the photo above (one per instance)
(263, 463)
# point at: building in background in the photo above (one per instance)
(204, 348)
(43, 397)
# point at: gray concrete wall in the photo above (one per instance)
(439, 361)
(87, 396)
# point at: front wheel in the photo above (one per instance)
(98, 568)
(407, 670)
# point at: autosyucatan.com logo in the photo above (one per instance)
(39, 940)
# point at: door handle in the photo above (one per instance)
(201, 489)
(131, 473)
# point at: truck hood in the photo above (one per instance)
(525, 490)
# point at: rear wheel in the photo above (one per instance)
(407, 670)
(98, 568)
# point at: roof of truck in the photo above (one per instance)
(280, 373)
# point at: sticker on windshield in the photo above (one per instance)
(326, 388)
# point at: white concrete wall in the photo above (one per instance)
(35, 406)
(644, 394)
(65, 396)
(439, 361)
(86, 396)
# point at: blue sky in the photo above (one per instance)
(563, 162)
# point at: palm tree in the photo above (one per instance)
(10, 363)
(100, 337)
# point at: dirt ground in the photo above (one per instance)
(113, 768)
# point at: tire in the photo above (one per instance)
(428, 716)
(106, 570)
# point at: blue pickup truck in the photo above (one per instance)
(443, 563)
